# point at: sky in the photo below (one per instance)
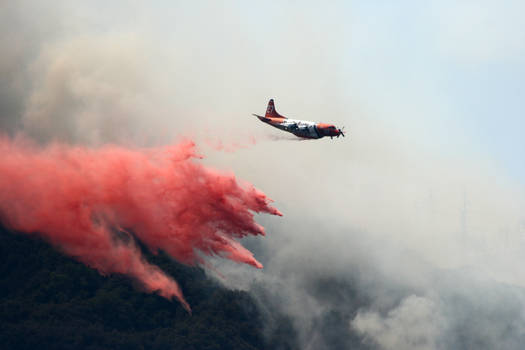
(416, 217)
(448, 71)
(463, 59)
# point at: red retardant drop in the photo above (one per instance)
(85, 201)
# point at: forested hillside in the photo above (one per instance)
(48, 300)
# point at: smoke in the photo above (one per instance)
(89, 91)
(232, 144)
(415, 324)
(286, 138)
(388, 246)
(94, 203)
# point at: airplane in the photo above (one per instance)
(300, 128)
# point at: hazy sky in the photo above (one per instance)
(454, 67)
(447, 71)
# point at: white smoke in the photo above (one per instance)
(415, 324)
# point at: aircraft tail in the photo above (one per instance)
(271, 112)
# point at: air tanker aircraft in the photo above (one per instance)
(300, 128)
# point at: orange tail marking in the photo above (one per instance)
(271, 112)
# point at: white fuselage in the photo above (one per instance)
(301, 128)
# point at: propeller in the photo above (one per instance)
(341, 132)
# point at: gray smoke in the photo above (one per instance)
(71, 76)
(344, 289)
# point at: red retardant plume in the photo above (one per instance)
(84, 201)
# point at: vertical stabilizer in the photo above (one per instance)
(271, 112)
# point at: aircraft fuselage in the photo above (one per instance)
(300, 128)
